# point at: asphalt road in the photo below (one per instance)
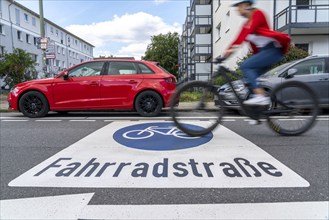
(25, 143)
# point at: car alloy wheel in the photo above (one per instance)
(33, 104)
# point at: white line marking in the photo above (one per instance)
(9, 120)
(76, 207)
(254, 211)
(48, 120)
(82, 120)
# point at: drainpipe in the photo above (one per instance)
(289, 25)
(11, 26)
(274, 14)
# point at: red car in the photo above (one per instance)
(104, 84)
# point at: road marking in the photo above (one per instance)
(76, 207)
(52, 207)
(98, 161)
(48, 120)
(13, 120)
(83, 120)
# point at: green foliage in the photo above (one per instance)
(294, 53)
(164, 49)
(17, 67)
(194, 96)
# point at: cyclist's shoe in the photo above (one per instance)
(258, 100)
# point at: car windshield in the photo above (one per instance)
(277, 69)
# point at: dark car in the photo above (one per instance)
(104, 84)
(313, 70)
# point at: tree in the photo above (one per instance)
(164, 49)
(17, 67)
(294, 53)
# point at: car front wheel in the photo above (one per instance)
(148, 104)
(33, 104)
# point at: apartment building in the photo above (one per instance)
(306, 21)
(20, 28)
(195, 48)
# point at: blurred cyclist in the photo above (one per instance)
(268, 48)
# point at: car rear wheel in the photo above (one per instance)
(33, 104)
(148, 104)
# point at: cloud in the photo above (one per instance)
(160, 1)
(132, 32)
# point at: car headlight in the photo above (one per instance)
(14, 90)
(237, 88)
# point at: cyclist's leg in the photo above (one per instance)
(255, 66)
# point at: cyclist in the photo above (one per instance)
(268, 48)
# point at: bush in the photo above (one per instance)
(17, 67)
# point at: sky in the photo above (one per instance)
(115, 27)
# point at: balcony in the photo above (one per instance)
(303, 19)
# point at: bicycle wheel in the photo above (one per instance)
(294, 110)
(194, 103)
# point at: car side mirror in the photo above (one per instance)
(66, 76)
(292, 71)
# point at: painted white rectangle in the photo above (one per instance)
(226, 161)
(239, 211)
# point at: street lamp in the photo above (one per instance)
(42, 36)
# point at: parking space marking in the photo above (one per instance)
(157, 158)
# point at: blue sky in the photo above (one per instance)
(115, 27)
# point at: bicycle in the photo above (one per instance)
(293, 110)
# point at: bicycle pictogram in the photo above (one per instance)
(151, 130)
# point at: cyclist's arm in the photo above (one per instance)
(258, 20)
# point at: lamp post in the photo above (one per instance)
(42, 37)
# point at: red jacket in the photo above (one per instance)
(258, 25)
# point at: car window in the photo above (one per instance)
(277, 70)
(145, 69)
(87, 69)
(314, 66)
(122, 68)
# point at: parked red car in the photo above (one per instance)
(104, 84)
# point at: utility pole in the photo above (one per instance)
(43, 40)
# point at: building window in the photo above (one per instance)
(35, 41)
(51, 30)
(58, 49)
(228, 17)
(216, 4)
(63, 51)
(26, 17)
(18, 17)
(2, 29)
(2, 50)
(28, 38)
(33, 21)
(217, 33)
(19, 35)
(304, 47)
(303, 4)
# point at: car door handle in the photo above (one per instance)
(94, 83)
(132, 82)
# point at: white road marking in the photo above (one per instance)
(226, 161)
(76, 207)
(65, 207)
(252, 211)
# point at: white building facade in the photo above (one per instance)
(20, 28)
(306, 21)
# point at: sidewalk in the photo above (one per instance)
(3, 102)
